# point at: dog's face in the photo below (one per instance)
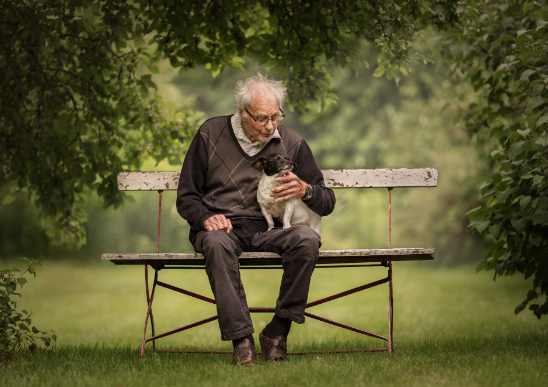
(274, 164)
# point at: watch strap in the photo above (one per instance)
(308, 194)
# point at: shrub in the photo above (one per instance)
(15, 327)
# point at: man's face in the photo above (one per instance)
(259, 108)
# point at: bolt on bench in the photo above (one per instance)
(337, 179)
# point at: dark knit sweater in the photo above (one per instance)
(217, 177)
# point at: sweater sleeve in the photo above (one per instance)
(192, 180)
(323, 199)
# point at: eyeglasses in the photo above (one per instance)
(263, 121)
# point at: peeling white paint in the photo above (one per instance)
(334, 178)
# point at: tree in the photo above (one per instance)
(77, 106)
(502, 49)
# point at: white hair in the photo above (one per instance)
(260, 86)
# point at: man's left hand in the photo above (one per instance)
(293, 187)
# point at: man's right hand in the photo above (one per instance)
(218, 222)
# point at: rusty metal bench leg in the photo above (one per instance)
(390, 311)
(390, 295)
(149, 311)
(149, 300)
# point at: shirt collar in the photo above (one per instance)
(236, 122)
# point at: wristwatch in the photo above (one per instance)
(308, 194)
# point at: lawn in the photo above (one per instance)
(452, 327)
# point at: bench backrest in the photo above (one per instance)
(334, 178)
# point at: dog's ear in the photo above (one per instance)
(259, 164)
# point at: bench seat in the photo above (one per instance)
(326, 257)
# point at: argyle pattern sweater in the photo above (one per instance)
(217, 177)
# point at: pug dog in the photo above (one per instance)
(290, 212)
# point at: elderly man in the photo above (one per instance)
(217, 195)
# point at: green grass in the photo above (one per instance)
(452, 327)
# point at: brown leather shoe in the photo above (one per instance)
(274, 350)
(244, 353)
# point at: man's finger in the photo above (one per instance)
(229, 226)
(282, 198)
(287, 178)
(282, 188)
(219, 222)
(224, 223)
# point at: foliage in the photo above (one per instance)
(14, 325)
(502, 48)
(77, 106)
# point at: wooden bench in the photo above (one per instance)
(336, 179)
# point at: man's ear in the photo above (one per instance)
(259, 164)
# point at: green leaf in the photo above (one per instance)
(488, 193)
(520, 307)
(519, 224)
(504, 38)
(482, 265)
(533, 103)
(494, 230)
(504, 194)
(521, 40)
(525, 201)
(35, 331)
(542, 120)
(498, 152)
(23, 327)
(528, 6)
(9, 198)
(536, 241)
(531, 295)
(473, 214)
(542, 203)
(516, 148)
(379, 71)
(524, 133)
(540, 217)
(535, 82)
(21, 281)
(537, 180)
(481, 226)
(46, 341)
(447, 104)
(526, 74)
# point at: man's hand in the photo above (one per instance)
(293, 187)
(218, 222)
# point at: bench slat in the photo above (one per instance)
(334, 178)
(326, 256)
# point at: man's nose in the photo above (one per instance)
(269, 126)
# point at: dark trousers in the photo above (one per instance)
(299, 248)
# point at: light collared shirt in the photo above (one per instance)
(249, 147)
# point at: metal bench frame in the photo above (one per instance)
(354, 178)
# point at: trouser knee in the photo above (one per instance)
(306, 243)
(219, 249)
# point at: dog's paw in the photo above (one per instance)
(286, 227)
